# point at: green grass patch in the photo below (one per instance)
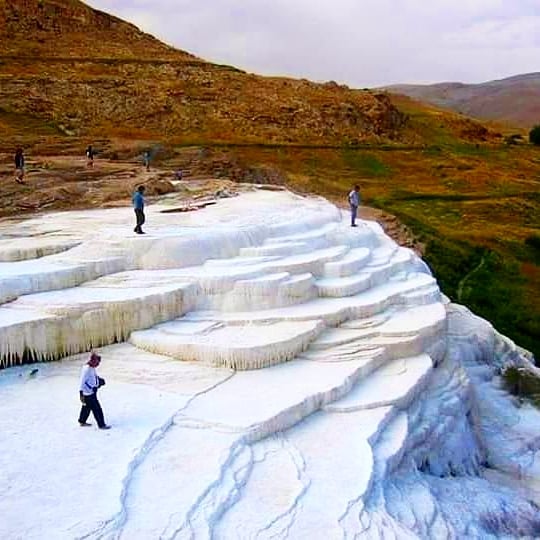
(527, 251)
(25, 124)
(404, 195)
(365, 163)
(470, 150)
(432, 151)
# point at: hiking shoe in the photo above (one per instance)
(84, 424)
(105, 427)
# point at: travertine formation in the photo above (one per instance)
(272, 373)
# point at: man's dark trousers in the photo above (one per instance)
(354, 212)
(139, 214)
(91, 403)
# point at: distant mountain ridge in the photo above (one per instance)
(514, 100)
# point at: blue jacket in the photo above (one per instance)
(138, 200)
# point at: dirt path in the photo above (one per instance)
(464, 279)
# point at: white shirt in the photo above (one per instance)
(354, 198)
(89, 380)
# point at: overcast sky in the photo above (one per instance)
(362, 43)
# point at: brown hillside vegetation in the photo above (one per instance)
(70, 29)
(70, 76)
(515, 100)
(86, 72)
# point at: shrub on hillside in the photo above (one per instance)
(513, 140)
(534, 135)
(533, 240)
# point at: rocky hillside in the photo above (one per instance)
(515, 100)
(84, 72)
(57, 29)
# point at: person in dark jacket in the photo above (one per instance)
(88, 387)
(90, 153)
(138, 206)
(19, 166)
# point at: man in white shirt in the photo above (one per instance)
(88, 387)
(354, 202)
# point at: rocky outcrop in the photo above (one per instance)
(192, 102)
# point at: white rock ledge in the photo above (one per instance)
(271, 373)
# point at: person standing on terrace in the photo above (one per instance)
(354, 202)
(138, 206)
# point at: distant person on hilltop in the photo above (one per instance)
(88, 387)
(354, 202)
(19, 166)
(138, 206)
(90, 153)
(146, 159)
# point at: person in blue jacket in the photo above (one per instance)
(138, 206)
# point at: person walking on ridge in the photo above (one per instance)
(138, 206)
(19, 166)
(90, 157)
(354, 202)
(88, 387)
(146, 159)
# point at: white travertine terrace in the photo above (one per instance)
(33, 248)
(271, 373)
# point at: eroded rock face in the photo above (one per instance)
(162, 98)
(271, 372)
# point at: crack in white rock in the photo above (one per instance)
(208, 507)
(112, 528)
(279, 526)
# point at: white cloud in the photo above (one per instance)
(359, 42)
